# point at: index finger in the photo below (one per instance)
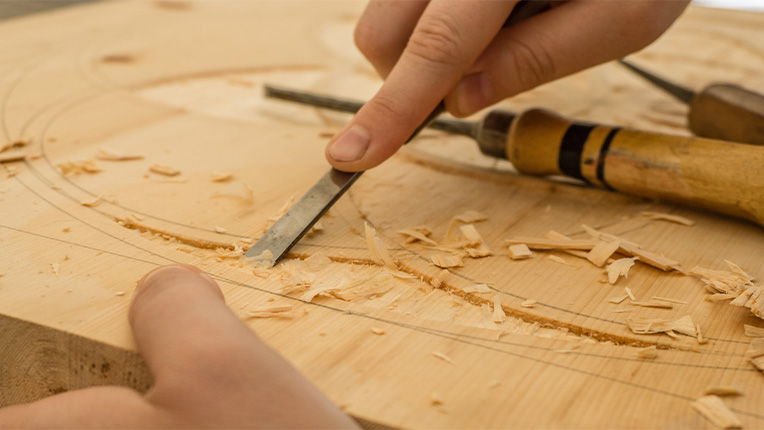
(448, 38)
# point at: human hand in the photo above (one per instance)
(210, 370)
(457, 51)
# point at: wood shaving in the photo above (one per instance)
(14, 144)
(474, 245)
(559, 260)
(629, 293)
(274, 311)
(413, 235)
(649, 353)
(220, 176)
(55, 267)
(683, 325)
(617, 300)
(529, 303)
(445, 261)
(164, 170)
(714, 410)
(377, 331)
(653, 304)
(552, 244)
(601, 253)
(722, 391)
(9, 157)
(498, 312)
(480, 288)
(108, 154)
(437, 280)
(119, 293)
(670, 300)
(758, 362)
(752, 331)
(470, 217)
(379, 252)
(435, 398)
(701, 340)
(238, 190)
(736, 282)
(80, 166)
(658, 216)
(756, 348)
(92, 202)
(520, 252)
(619, 268)
(442, 356)
(220, 230)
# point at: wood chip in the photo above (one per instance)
(9, 157)
(164, 170)
(629, 293)
(619, 268)
(683, 325)
(719, 390)
(670, 300)
(520, 252)
(109, 154)
(714, 410)
(756, 348)
(562, 244)
(480, 288)
(435, 398)
(498, 312)
(653, 304)
(220, 176)
(752, 331)
(529, 303)
(601, 253)
(758, 362)
(274, 311)
(56, 267)
(379, 252)
(649, 353)
(377, 331)
(617, 300)
(80, 166)
(442, 356)
(92, 202)
(119, 293)
(445, 261)
(701, 340)
(470, 217)
(415, 235)
(475, 245)
(559, 260)
(658, 216)
(220, 230)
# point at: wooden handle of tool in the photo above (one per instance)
(721, 176)
(728, 112)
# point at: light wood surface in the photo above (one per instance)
(180, 84)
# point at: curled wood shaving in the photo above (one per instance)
(619, 268)
(379, 252)
(659, 216)
(738, 283)
(474, 245)
(164, 170)
(109, 154)
(719, 390)
(649, 353)
(445, 261)
(80, 166)
(520, 252)
(714, 410)
(601, 253)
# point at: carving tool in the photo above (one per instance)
(720, 111)
(718, 175)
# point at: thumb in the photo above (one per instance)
(448, 38)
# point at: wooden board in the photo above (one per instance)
(180, 84)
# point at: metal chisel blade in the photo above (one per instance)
(291, 227)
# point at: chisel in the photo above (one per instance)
(717, 175)
(720, 111)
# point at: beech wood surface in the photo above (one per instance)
(180, 83)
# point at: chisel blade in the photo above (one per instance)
(293, 225)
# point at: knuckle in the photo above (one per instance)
(436, 40)
(533, 62)
(370, 42)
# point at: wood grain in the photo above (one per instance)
(180, 84)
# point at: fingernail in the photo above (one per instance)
(473, 93)
(351, 145)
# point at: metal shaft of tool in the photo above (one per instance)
(682, 93)
(455, 126)
(291, 227)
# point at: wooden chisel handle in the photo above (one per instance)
(718, 175)
(728, 112)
